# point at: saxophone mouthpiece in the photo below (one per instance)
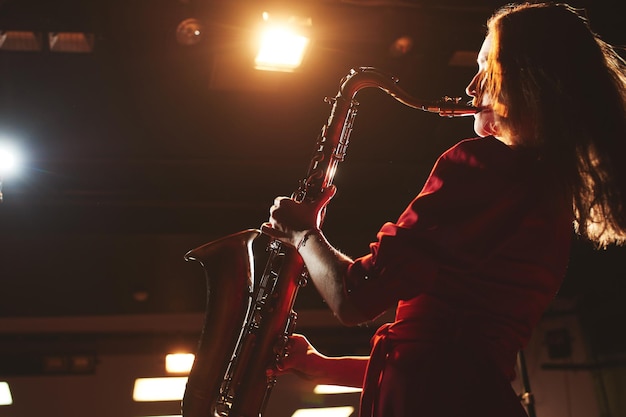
(452, 107)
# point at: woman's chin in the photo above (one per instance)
(481, 131)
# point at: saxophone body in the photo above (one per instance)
(253, 280)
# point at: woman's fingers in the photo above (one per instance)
(289, 218)
(328, 193)
(272, 232)
(294, 358)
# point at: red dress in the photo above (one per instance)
(472, 264)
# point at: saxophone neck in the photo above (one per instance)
(364, 77)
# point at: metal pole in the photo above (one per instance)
(527, 396)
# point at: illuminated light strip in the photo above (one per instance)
(159, 389)
(324, 412)
(75, 42)
(5, 394)
(179, 363)
(19, 40)
(335, 389)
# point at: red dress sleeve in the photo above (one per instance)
(473, 204)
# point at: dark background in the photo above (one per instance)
(146, 148)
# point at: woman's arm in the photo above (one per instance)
(327, 268)
(297, 223)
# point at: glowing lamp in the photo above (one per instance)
(9, 159)
(5, 394)
(334, 389)
(159, 389)
(282, 45)
(179, 363)
(324, 412)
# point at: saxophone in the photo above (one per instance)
(249, 315)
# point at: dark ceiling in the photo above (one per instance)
(146, 148)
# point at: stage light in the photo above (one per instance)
(20, 40)
(10, 162)
(401, 46)
(5, 394)
(76, 42)
(159, 389)
(10, 159)
(334, 389)
(282, 44)
(189, 32)
(179, 363)
(324, 412)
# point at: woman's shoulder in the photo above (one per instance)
(478, 145)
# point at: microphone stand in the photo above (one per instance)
(527, 396)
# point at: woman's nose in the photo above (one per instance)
(470, 90)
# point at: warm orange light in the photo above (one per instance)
(159, 389)
(282, 45)
(179, 363)
(324, 412)
(19, 40)
(334, 389)
(5, 394)
(75, 42)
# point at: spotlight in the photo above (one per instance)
(9, 159)
(401, 46)
(189, 32)
(282, 43)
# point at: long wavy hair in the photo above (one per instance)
(562, 88)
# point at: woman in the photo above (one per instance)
(470, 284)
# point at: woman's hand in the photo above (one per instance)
(290, 220)
(306, 362)
(302, 359)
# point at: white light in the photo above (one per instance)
(178, 363)
(9, 159)
(324, 412)
(5, 394)
(334, 389)
(159, 389)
